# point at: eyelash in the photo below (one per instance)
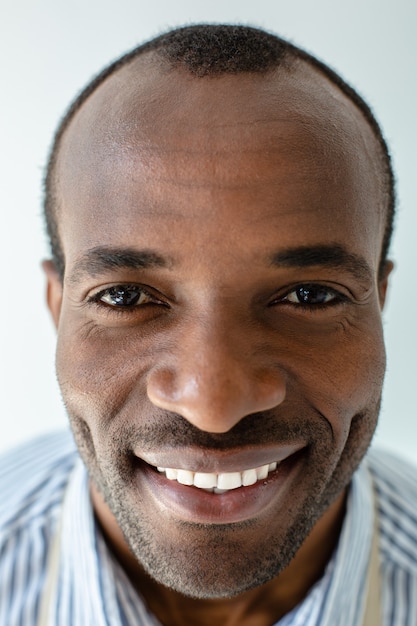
(121, 291)
(336, 298)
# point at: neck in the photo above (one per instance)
(261, 606)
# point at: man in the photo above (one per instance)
(220, 206)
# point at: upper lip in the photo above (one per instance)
(216, 461)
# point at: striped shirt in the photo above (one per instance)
(93, 590)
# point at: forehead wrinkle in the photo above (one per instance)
(226, 166)
(128, 130)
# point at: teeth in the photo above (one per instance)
(205, 481)
(262, 472)
(185, 477)
(172, 474)
(249, 477)
(218, 483)
(231, 480)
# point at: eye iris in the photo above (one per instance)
(312, 295)
(123, 296)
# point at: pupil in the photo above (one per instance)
(311, 295)
(124, 296)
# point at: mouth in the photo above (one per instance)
(237, 486)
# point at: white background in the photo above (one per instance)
(50, 48)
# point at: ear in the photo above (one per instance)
(383, 282)
(54, 290)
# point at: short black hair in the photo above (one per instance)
(209, 50)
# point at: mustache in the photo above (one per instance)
(171, 430)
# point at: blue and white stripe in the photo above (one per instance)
(93, 590)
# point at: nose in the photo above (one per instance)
(214, 379)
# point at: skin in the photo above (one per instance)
(220, 178)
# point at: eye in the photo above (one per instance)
(125, 296)
(312, 295)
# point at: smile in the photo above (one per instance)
(219, 486)
(218, 482)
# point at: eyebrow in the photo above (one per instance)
(102, 259)
(331, 256)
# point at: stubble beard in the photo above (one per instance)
(217, 561)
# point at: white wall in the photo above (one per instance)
(50, 48)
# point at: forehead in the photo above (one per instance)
(154, 143)
(145, 99)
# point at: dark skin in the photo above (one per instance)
(221, 309)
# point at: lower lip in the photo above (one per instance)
(197, 506)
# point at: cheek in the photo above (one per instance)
(97, 372)
(342, 374)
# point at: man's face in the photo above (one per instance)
(220, 313)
